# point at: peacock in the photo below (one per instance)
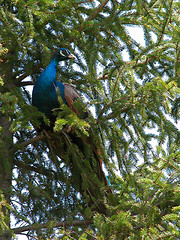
(86, 155)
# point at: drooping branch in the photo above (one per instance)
(54, 225)
(38, 169)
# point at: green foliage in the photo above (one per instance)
(4, 213)
(135, 103)
(66, 117)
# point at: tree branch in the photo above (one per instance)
(24, 144)
(90, 18)
(54, 225)
(26, 74)
(98, 10)
(22, 84)
(32, 140)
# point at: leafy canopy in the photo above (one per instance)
(134, 101)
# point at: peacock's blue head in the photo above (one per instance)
(63, 54)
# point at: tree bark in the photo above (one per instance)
(6, 161)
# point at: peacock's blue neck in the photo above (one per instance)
(48, 76)
(44, 95)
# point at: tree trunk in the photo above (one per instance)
(6, 161)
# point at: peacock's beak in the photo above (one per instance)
(71, 56)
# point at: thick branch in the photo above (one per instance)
(32, 140)
(26, 83)
(54, 225)
(26, 74)
(26, 143)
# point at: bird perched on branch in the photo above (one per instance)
(84, 152)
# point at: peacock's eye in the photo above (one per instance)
(63, 52)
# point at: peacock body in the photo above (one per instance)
(45, 97)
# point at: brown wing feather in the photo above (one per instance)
(70, 94)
